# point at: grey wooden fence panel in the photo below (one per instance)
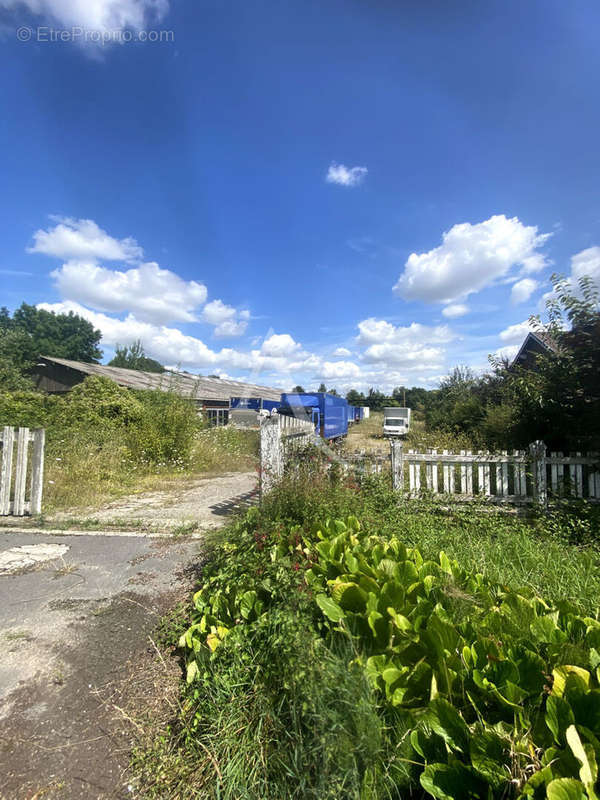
(21, 472)
(14, 480)
(6, 474)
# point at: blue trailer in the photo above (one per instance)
(254, 403)
(327, 412)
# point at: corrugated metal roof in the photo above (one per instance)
(198, 387)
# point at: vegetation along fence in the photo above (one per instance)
(26, 478)
(278, 436)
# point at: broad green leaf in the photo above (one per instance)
(399, 620)
(588, 772)
(545, 629)
(559, 716)
(349, 596)
(191, 671)
(391, 674)
(446, 721)
(490, 756)
(565, 789)
(247, 601)
(563, 673)
(445, 563)
(329, 608)
(452, 782)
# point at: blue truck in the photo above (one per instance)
(327, 412)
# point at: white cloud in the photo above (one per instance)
(455, 310)
(522, 290)
(280, 344)
(231, 328)
(412, 346)
(342, 352)
(379, 330)
(226, 318)
(345, 176)
(586, 262)
(216, 312)
(508, 352)
(515, 334)
(149, 292)
(73, 239)
(95, 15)
(471, 257)
(336, 370)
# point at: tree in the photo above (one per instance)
(355, 398)
(134, 357)
(298, 390)
(322, 388)
(558, 401)
(49, 334)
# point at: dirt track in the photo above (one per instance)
(76, 612)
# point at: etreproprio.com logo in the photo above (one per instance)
(45, 33)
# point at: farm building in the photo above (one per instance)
(535, 344)
(211, 395)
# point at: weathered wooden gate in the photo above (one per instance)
(25, 480)
(277, 434)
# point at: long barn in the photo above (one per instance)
(211, 395)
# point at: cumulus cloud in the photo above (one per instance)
(515, 334)
(228, 321)
(407, 346)
(508, 352)
(455, 310)
(83, 239)
(471, 257)
(586, 262)
(231, 328)
(94, 15)
(342, 352)
(522, 290)
(151, 293)
(345, 176)
(280, 344)
(336, 370)
(217, 311)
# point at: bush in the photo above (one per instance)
(27, 409)
(166, 429)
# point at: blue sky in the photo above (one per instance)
(361, 193)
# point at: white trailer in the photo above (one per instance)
(396, 421)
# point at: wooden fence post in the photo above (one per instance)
(271, 455)
(397, 464)
(537, 452)
(37, 471)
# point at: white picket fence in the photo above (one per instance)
(519, 477)
(279, 435)
(24, 481)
